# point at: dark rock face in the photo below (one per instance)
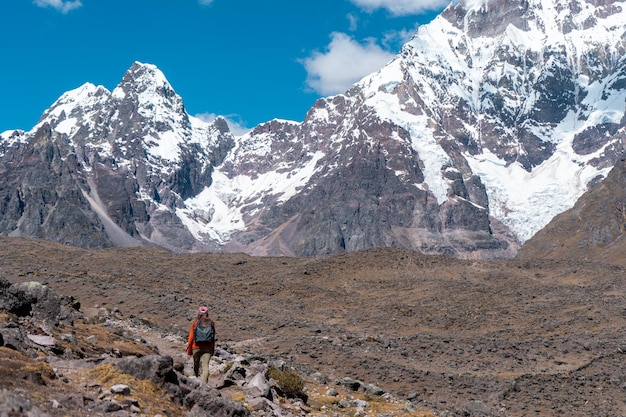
(364, 205)
(41, 197)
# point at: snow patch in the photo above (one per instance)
(527, 201)
(217, 211)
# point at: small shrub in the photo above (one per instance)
(289, 382)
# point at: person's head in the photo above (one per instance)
(203, 312)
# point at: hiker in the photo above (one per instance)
(201, 343)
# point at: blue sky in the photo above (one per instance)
(248, 60)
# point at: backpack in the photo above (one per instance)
(203, 334)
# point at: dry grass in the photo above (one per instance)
(18, 370)
(320, 403)
(105, 341)
(152, 399)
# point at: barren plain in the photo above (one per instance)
(504, 337)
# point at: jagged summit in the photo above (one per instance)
(140, 76)
(492, 119)
(147, 86)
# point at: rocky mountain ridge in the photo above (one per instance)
(493, 118)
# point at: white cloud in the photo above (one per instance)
(237, 127)
(345, 62)
(60, 5)
(354, 22)
(402, 7)
(205, 2)
(394, 39)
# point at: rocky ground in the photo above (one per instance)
(445, 336)
(55, 360)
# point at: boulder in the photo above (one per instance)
(120, 389)
(235, 375)
(14, 339)
(477, 408)
(43, 340)
(207, 402)
(34, 299)
(158, 369)
(258, 386)
(12, 404)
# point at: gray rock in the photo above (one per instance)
(409, 406)
(236, 373)
(372, 389)
(258, 386)
(67, 337)
(351, 384)
(71, 401)
(158, 369)
(258, 403)
(120, 389)
(42, 340)
(13, 404)
(477, 407)
(360, 403)
(26, 299)
(207, 402)
(319, 378)
(344, 403)
(108, 406)
(15, 339)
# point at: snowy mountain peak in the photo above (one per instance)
(74, 108)
(141, 76)
(146, 85)
(530, 92)
(493, 118)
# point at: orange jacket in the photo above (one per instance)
(191, 344)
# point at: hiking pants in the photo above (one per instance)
(201, 358)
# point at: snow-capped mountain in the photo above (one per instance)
(130, 157)
(493, 118)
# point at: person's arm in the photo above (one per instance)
(190, 339)
(214, 338)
